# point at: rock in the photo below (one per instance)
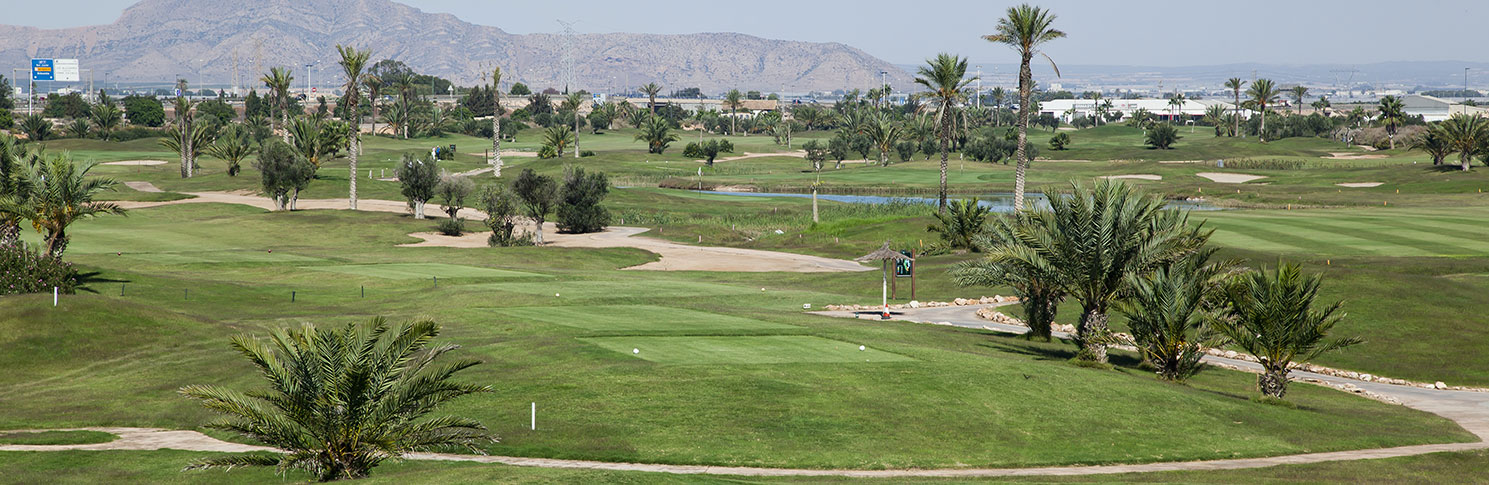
(1440, 385)
(1230, 354)
(1366, 377)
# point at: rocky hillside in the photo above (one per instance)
(156, 40)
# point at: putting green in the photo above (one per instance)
(640, 318)
(778, 349)
(420, 270)
(603, 289)
(244, 256)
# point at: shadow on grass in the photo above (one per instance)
(95, 277)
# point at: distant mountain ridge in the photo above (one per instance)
(158, 40)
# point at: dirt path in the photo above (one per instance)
(1469, 409)
(674, 256)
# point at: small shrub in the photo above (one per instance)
(25, 270)
(1161, 136)
(586, 153)
(1060, 141)
(1264, 164)
(453, 227)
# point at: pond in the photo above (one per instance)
(1002, 202)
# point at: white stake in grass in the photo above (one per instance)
(54, 296)
(535, 416)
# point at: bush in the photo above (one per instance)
(586, 153)
(1060, 141)
(144, 111)
(25, 270)
(579, 210)
(418, 179)
(451, 227)
(134, 133)
(6, 119)
(547, 151)
(501, 206)
(1162, 136)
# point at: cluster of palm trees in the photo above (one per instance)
(49, 192)
(1111, 247)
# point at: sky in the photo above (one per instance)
(1127, 32)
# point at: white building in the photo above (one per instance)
(1437, 109)
(1068, 109)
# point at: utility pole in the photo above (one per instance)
(1465, 81)
(307, 85)
(978, 102)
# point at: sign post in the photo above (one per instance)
(41, 70)
(66, 70)
(904, 268)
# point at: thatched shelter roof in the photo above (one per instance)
(882, 254)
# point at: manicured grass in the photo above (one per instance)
(1443, 232)
(420, 271)
(79, 437)
(655, 288)
(775, 349)
(640, 318)
(205, 257)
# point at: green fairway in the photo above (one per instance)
(203, 257)
(652, 288)
(744, 350)
(420, 271)
(1459, 232)
(640, 318)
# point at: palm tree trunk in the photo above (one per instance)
(576, 132)
(496, 137)
(1262, 135)
(356, 148)
(1092, 325)
(1272, 382)
(1026, 77)
(10, 233)
(1237, 118)
(1465, 159)
(57, 243)
(814, 204)
(373, 101)
(945, 138)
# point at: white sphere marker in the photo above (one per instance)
(635, 351)
(860, 348)
(555, 295)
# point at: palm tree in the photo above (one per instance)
(233, 145)
(106, 118)
(188, 141)
(998, 95)
(1170, 311)
(575, 99)
(559, 137)
(1271, 315)
(1435, 142)
(185, 135)
(1321, 105)
(651, 90)
(1467, 135)
(341, 401)
(278, 80)
(1235, 84)
(1299, 92)
(1093, 238)
(316, 140)
(1039, 288)
(374, 86)
(734, 100)
(15, 161)
(496, 121)
(657, 134)
(1215, 115)
(884, 131)
(56, 194)
(404, 84)
(1025, 29)
(1175, 105)
(945, 76)
(1392, 113)
(353, 62)
(1262, 93)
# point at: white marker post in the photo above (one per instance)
(54, 296)
(535, 417)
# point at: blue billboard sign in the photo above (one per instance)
(42, 70)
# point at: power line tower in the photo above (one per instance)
(567, 36)
(236, 79)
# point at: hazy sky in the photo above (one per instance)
(1130, 32)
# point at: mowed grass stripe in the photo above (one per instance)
(1329, 242)
(420, 270)
(1442, 238)
(614, 289)
(1391, 235)
(640, 318)
(775, 349)
(1273, 240)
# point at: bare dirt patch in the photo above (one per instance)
(143, 187)
(1361, 184)
(1230, 178)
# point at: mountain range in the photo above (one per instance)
(161, 40)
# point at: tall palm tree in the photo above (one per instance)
(651, 90)
(58, 193)
(353, 62)
(1093, 238)
(1235, 84)
(1467, 135)
(733, 101)
(1025, 29)
(106, 117)
(945, 76)
(279, 80)
(340, 401)
(1175, 106)
(998, 95)
(15, 162)
(374, 86)
(1263, 93)
(189, 141)
(404, 84)
(1321, 105)
(1215, 115)
(1392, 114)
(496, 121)
(1272, 316)
(1299, 92)
(185, 133)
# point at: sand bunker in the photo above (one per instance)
(136, 163)
(1183, 161)
(1353, 156)
(1361, 184)
(1230, 178)
(1146, 176)
(514, 153)
(745, 155)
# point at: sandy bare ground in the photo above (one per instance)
(1229, 178)
(1041, 160)
(1146, 176)
(1361, 184)
(745, 155)
(143, 187)
(674, 256)
(515, 153)
(1183, 161)
(135, 163)
(1353, 156)
(141, 439)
